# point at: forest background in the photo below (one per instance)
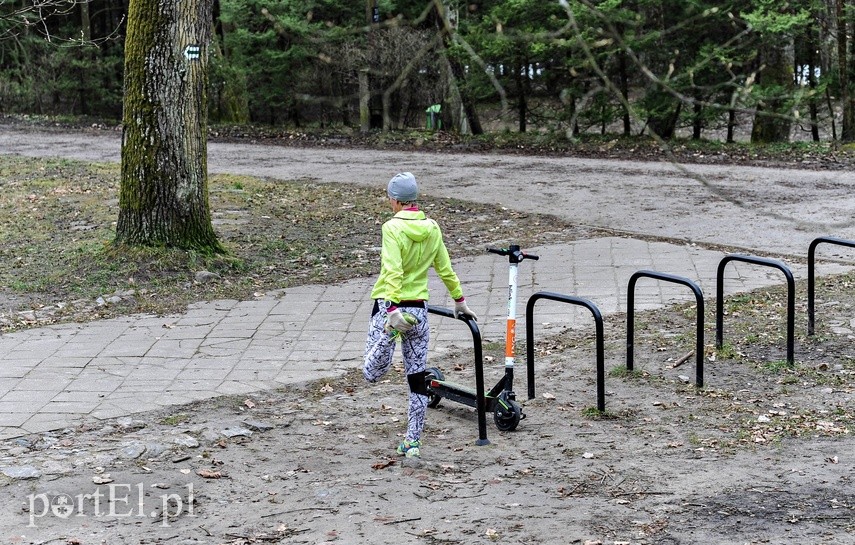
(781, 71)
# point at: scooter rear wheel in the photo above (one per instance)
(507, 416)
(433, 373)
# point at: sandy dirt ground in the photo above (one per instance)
(755, 457)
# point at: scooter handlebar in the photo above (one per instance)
(516, 254)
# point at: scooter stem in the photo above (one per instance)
(510, 334)
(515, 255)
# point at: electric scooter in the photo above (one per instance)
(501, 399)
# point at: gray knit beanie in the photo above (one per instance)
(403, 187)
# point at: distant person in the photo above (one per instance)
(412, 244)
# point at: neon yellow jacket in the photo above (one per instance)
(411, 245)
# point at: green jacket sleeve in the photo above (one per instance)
(442, 266)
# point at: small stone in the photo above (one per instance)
(114, 299)
(204, 277)
(684, 379)
(210, 436)
(129, 424)
(257, 425)
(762, 418)
(100, 302)
(412, 462)
(133, 451)
(187, 441)
(236, 432)
(154, 450)
(21, 472)
(28, 315)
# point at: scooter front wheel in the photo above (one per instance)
(433, 373)
(507, 414)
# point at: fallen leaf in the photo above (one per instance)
(249, 404)
(548, 396)
(326, 389)
(209, 474)
(383, 464)
(102, 479)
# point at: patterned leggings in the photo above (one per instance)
(379, 349)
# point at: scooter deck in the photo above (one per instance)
(455, 392)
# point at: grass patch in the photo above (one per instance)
(776, 366)
(727, 351)
(175, 419)
(623, 372)
(596, 414)
(57, 226)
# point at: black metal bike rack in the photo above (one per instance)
(791, 298)
(630, 319)
(529, 340)
(480, 398)
(811, 272)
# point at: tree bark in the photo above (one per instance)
(164, 188)
(771, 122)
(847, 131)
(697, 117)
(812, 67)
(624, 90)
(364, 102)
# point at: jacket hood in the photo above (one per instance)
(415, 224)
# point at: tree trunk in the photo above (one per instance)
(624, 91)
(520, 77)
(731, 124)
(364, 102)
(86, 57)
(697, 118)
(847, 131)
(812, 67)
(771, 121)
(164, 188)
